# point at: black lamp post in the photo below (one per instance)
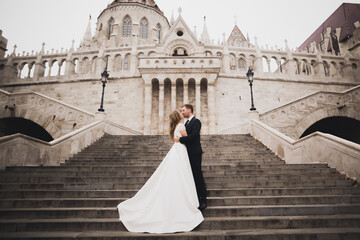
(250, 75)
(104, 77)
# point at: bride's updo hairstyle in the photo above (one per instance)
(174, 118)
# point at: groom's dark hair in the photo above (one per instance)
(189, 106)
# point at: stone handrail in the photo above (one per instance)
(295, 117)
(58, 119)
(317, 147)
(22, 150)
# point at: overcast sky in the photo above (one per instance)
(28, 23)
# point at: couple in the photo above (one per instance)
(170, 201)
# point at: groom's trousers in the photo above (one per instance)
(195, 162)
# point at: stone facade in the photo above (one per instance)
(155, 66)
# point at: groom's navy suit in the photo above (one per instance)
(192, 143)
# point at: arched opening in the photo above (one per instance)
(167, 104)
(76, 67)
(62, 67)
(126, 62)
(155, 106)
(180, 52)
(343, 127)
(158, 32)
(24, 72)
(273, 65)
(127, 26)
(94, 64)
(282, 65)
(179, 93)
(204, 104)
(192, 92)
(265, 64)
(46, 69)
(9, 126)
(241, 65)
(143, 28)
(54, 68)
(117, 63)
(111, 27)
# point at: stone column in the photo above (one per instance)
(147, 108)
(198, 102)
(173, 96)
(186, 93)
(161, 108)
(211, 109)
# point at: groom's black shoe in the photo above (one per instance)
(203, 204)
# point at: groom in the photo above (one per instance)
(192, 142)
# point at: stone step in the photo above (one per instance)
(205, 167)
(147, 172)
(246, 234)
(127, 186)
(211, 192)
(135, 179)
(212, 201)
(210, 223)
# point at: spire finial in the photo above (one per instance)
(43, 48)
(235, 20)
(14, 52)
(180, 11)
(172, 21)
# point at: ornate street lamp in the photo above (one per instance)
(250, 75)
(104, 77)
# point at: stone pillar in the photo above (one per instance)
(147, 108)
(186, 93)
(173, 96)
(59, 69)
(69, 67)
(211, 109)
(161, 108)
(198, 102)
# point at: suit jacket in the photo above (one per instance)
(192, 140)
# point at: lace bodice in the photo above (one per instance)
(179, 127)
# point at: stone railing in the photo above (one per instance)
(180, 63)
(56, 117)
(22, 150)
(317, 147)
(294, 118)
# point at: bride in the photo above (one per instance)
(168, 201)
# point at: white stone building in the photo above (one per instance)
(156, 65)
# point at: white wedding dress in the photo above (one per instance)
(168, 201)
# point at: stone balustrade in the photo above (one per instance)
(317, 147)
(22, 150)
(58, 119)
(294, 118)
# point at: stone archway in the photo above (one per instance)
(13, 125)
(320, 114)
(343, 127)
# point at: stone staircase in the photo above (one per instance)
(252, 194)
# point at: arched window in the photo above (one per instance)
(127, 27)
(242, 65)
(158, 31)
(126, 63)
(111, 27)
(143, 28)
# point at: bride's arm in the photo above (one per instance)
(183, 133)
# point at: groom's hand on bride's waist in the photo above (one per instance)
(177, 139)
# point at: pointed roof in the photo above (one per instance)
(236, 36)
(180, 24)
(205, 34)
(88, 34)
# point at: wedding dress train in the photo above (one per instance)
(168, 201)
